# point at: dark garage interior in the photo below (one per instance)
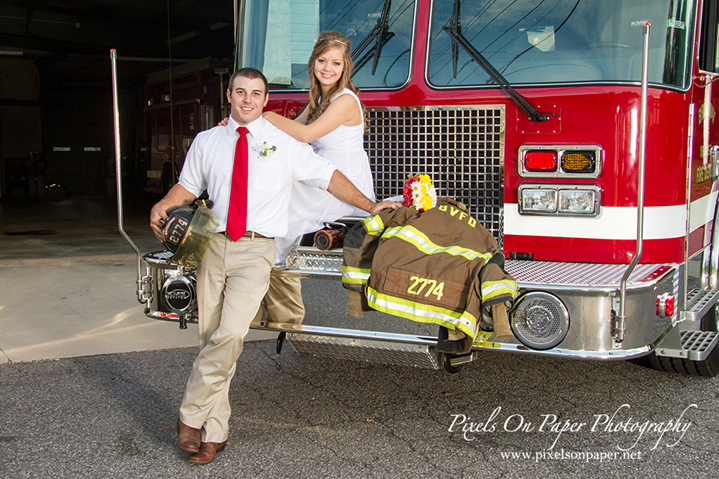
(56, 117)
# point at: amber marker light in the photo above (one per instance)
(578, 161)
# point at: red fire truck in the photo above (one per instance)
(581, 133)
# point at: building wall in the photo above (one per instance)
(20, 127)
(78, 137)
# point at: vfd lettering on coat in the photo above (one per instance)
(458, 213)
(427, 289)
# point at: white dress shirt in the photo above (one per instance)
(209, 164)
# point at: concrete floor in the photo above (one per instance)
(68, 281)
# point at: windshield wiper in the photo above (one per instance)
(454, 30)
(456, 25)
(381, 32)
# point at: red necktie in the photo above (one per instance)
(237, 214)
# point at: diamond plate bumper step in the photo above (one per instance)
(368, 350)
(310, 261)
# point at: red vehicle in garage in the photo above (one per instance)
(178, 105)
(581, 133)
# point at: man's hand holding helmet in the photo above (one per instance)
(157, 218)
(177, 196)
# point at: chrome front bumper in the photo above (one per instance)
(589, 292)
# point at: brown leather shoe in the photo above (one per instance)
(188, 438)
(207, 452)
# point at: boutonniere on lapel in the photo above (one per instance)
(264, 149)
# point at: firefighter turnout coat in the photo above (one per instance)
(438, 266)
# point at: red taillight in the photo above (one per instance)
(540, 161)
(665, 305)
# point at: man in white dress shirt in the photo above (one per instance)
(233, 276)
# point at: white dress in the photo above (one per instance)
(311, 207)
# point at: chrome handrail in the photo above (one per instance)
(621, 319)
(141, 296)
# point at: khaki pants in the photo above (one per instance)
(231, 280)
(283, 301)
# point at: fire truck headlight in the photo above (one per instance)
(540, 320)
(538, 200)
(559, 200)
(578, 202)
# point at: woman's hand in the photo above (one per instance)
(224, 122)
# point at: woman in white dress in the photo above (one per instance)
(333, 123)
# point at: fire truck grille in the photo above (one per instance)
(461, 148)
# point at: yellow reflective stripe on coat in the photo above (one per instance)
(492, 289)
(422, 242)
(423, 313)
(353, 275)
(373, 225)
(468, 323)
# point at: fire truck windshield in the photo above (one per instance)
(278, 37)
(561, 41)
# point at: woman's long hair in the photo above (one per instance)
(327, 41)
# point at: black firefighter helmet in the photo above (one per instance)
(176, 225)
(187, 231)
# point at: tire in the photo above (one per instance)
(708, 367)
